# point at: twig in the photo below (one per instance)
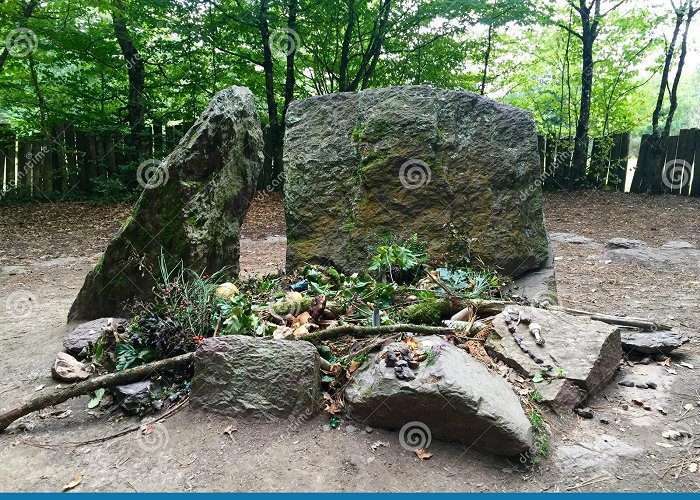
(641, 323)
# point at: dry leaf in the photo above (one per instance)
(75, 482)
(146, 429)
(693, 467)
(687, 365)
(665, 362)
(229, 431)
(354, 366)
(422, 454)
(688, 407)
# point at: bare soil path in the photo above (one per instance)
(47, 249)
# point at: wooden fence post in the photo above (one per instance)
(685, 153)
(695, 187)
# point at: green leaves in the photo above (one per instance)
(128, 355)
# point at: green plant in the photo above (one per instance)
(128, 355)
(468, 283)
(400, 262)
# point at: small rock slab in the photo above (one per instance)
(580, 350)
(624, 243)
(134, 399)
(560, 395)
(653, 342)
(572, 238)
(455, 397)
(678, 245)
(247, 376)
(68, 369)
(77, 342)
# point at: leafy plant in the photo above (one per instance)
(399, 262)
(128, 355)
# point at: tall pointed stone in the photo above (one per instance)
(191, 209)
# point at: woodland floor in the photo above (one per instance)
(47, 249)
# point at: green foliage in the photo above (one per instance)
(401, 261)
(468, 283)
(129, 356)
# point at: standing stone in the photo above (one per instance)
(191, 210)
(459, 170)
(247, 376)
(453, 398)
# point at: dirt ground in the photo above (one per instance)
(47, 249)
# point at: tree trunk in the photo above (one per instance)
(27, 11)
(581, 137)
(272, 148)
(136, 73)
(487, 55)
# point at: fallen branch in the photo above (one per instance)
(641, 323)
(368, 331)
(110, 380)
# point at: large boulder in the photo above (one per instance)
(247, 376)
(191, 210)
(453, 396)
(459, 170)
(584, 352)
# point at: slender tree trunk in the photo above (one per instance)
(136, 73)
(487, 55)
(584, 116)
(272, 148)
(345, 49)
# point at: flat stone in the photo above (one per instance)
(625, 243)
(658, 342)
(585, 352)
(452, 398)
(571, 238)
(68, 369)
(678, 245)
(190, 210)
(77, 342)
(584, 412)
(413, 160)
(560, 395)
(134, 399)
(247, 376)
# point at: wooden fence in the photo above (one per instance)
(681, 158)
(607, 166)
(68, 160)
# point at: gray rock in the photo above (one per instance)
(77, 342)
(135, 399)
(578, 349)
(246, 376)
(68, 369)
(658, 342)
(571, 238)
(624, 243)
(459, 170)
(678, 245)
(584, 412)
(560, 395)
(193, 208)
(455, 396)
